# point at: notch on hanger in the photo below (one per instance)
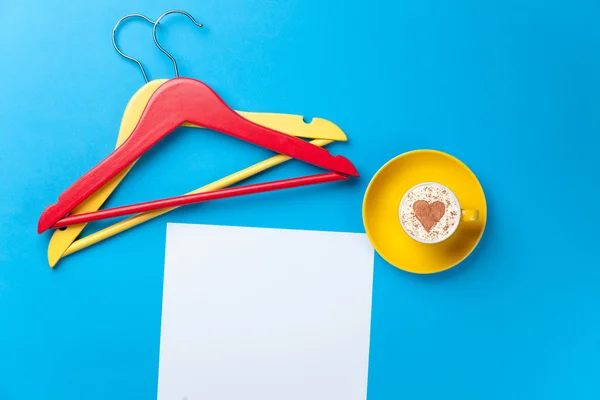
(178, 101)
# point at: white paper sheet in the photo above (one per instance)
(265, 314)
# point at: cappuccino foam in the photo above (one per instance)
(429, 212)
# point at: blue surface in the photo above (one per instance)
(512, 88)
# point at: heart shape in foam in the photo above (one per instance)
(429, 214)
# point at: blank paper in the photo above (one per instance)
(265, 314)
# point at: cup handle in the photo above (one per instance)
(470, 215)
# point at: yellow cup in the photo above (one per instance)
(406, 207)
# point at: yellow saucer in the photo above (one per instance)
(382, 199)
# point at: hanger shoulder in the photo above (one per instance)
(157, 121)
(293, 124)
(63, 238)
(205, 108)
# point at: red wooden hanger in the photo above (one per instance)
(188, 100)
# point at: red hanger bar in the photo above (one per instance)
(177, 101)
(199, 197)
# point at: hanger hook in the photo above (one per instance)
(117, 48)
(199, 25)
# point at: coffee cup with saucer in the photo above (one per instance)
(416, 180)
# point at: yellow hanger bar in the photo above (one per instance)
(63, 241)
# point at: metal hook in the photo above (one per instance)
(117, 48)
(156, 40)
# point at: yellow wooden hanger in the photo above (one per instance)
(64, 241)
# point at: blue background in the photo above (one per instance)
(510, 87)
